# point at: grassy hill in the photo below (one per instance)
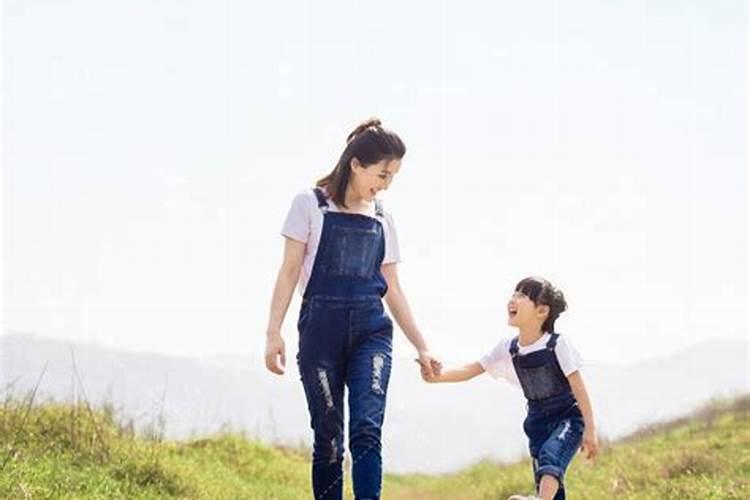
(53, 450)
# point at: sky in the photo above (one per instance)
(151, 150)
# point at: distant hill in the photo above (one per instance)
(481, 419)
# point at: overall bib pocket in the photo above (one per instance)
(354, 254)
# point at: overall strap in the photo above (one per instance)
(322, 202)
(513, 347)
(552, 342)
(379, 208)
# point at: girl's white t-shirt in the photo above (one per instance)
(499, 363)
(304, 223)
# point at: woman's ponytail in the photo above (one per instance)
(369, 143)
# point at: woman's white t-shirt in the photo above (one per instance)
(499, 363)
(304, 223)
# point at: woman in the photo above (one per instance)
(341, 250)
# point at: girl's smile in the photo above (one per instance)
(523, 312)
(518, 308)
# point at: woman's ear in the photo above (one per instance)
(355, 164)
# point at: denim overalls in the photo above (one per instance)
(345, 340)
(553, 424)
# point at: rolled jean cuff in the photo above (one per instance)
(550, 470)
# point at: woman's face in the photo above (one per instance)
(367, 181)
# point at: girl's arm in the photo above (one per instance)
(461, 374)
(590, 443)
(294, 255)
(401, 312)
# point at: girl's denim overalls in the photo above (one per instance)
(345, 341)
(553, 424)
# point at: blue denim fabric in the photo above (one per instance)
(554, 423)
(345, 341)
(350, 253)
(555, 434)
(539, 373)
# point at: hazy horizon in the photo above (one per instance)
(200, 397)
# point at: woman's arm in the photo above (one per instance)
(294, 255)
(401, 312)
(590, 443)
(461, 374)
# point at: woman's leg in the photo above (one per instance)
(368, 374)
(324, 390)
(322, 370)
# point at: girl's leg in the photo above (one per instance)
(367, 378)
(548, 487)
(535, 428)
(555, 454)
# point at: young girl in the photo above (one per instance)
(341, 250)
(546, 366)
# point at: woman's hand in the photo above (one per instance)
(431, 379)
(590, 444)
(275, 353)
(401, 312)
(294, 254)
(429, 366)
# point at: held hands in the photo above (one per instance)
(430, 367)
(275, 353)
(590, 444)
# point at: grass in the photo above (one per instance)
(703, 456)
(56, 450)
(66, 451)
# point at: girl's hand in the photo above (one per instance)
(275, 353)
(590, 444)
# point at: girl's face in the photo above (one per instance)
(366, 182)
(522, 312)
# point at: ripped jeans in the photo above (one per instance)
(345, 343)
(555, 432)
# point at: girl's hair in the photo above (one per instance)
(542, 292)
(369, 143)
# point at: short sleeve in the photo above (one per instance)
(297, 222)
(497, 362)
(567, 356)
(392, 250)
